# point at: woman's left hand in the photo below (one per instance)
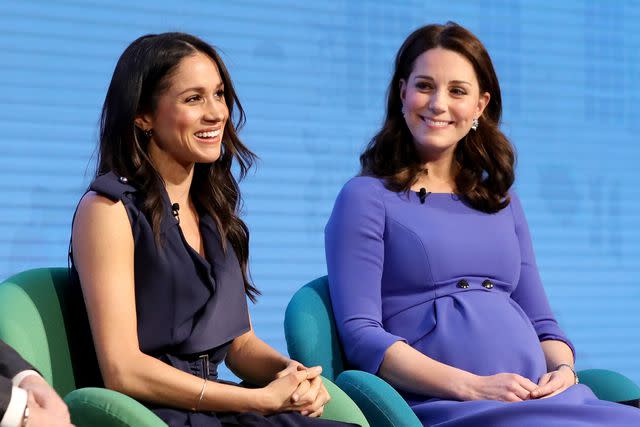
(311, 395)
(553, 383)
(312, 404)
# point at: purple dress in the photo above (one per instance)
(459, 285)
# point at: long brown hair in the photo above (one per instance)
(141, 75)
(485, 158)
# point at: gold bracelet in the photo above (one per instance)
(204, 386)
(575, 376)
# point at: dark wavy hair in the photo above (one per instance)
(485, 158)
(141, 75)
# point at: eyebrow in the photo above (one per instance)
(422, 76)
(200, 89)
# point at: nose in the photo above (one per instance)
(437, 102)
(216, 110)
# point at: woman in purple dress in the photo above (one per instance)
(161, 253)
(431, 268)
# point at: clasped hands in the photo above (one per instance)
(298, 388)
(509, 387)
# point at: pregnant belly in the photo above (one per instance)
(484, 333)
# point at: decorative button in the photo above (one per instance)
(123, 180)
(487, 284)
(463, 284)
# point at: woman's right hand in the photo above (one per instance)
(277, 395)
(505, 387)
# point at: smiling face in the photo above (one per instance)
(190, 114)
(440, 99)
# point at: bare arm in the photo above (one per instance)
(408, 369)
(104, 256)
(556, 353)
(253, 360)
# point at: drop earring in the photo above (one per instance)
(475, 123)
(148, 133)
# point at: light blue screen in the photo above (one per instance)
(312, 77)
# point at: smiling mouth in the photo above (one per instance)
(435, 123)
(209, 134)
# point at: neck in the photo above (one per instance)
(440, 176)
(177, 177)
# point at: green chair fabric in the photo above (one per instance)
(381, 403)
(38, 317)
(100, 407)
(341, 407)
(610, 385)
(313, 340)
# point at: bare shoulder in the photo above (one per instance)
(93, 201)
(99, 217)
(96, 207)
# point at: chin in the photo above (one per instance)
(209, 157)
(431, 145)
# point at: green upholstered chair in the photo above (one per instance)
(39, 318)
(313, 340)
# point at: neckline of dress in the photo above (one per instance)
(415, 196)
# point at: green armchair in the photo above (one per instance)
(313, 340)
(43, 318)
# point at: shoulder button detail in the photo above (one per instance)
(112, 186)
(462, 284)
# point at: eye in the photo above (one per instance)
(220, 93)
(458, 91)
(193, 98)
(424, 86)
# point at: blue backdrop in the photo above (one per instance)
(312, 77)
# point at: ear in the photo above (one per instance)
(483, 101)
(403, 89)
(144, 122)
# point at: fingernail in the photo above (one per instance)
(304, 412)
(295, 397)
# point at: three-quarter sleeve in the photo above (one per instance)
(354, 248)
(529, 292)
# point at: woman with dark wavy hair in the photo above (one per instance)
(431, 269)
(161, 254)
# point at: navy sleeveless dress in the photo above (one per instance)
(189, 307)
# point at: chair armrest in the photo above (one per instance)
(381, 403)
(100, 407)
(609, 385)
(341, 407)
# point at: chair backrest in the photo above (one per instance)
(43, 318)
(310, 330)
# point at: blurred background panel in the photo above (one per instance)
(312, 77)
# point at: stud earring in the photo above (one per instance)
(475, 123)
(148, 133)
